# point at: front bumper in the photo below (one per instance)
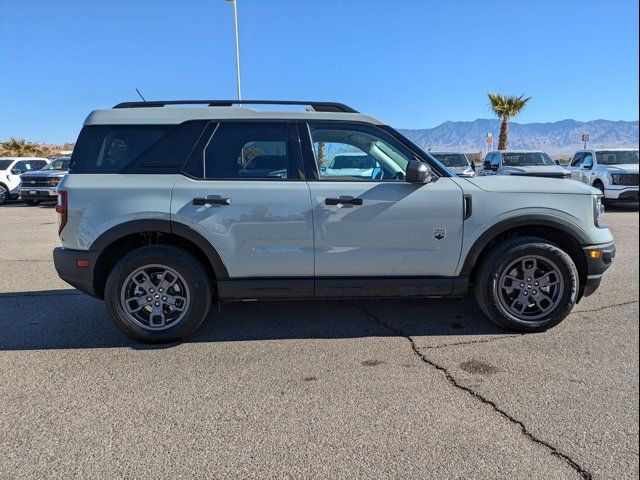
(599, 259)
(622, 194)
(38, 193)
(67, 263)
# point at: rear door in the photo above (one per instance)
(244, 191)
(372, 226)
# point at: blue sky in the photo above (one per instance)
(415, 64)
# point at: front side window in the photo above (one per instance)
(495, 161)
(527, 159)
(622, 157)
(345, 152)
(29, 165)
(587, 161)
(248, 150)
(577, 159)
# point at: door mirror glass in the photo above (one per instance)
(16, 171)
(418, 172)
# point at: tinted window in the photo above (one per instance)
(577, 159)
(495, 160)
(452, 159)
(135, 148)
(527, 159)
(4, 164)
(29, 165)
(58, 164)
(345, 152)
(618, 157)
(247, 150)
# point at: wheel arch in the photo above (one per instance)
(563, 233)
(116, 242)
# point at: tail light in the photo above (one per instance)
(61, 209)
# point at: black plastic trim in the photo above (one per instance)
(317, 106)
(65, 262)
(163, 226)
(519, 221)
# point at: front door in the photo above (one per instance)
(369, 223)
(244, 194)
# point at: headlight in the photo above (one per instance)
(615, 178)
(598, 210)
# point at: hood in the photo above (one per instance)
(44, 174)
(623, 168)
(524, 184)
(537, 170)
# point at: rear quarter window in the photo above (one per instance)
(139, 149)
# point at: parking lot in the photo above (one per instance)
(385, 389)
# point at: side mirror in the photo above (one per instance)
(557, 162)
(473, 166)
(586, 166)
(16, 171)
(418, 172)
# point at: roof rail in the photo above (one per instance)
(317, 106)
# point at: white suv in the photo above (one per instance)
(10, 170)
(613, 171)
(166, 210)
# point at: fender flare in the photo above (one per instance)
(163, 226)
(535, 220)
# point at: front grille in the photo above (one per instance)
(627, 179)
(40, 182)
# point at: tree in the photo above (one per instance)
(322, 155)
(506, 107)
(19, 148)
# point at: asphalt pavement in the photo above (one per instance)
(327, 389)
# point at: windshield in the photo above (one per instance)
(60, 164)
(526, 159)
(4, 164)
(617, 157)
(452, 159)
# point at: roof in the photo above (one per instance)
(517, 151)
(163, 112)
(605, 149)
(444, 152)
(24, 158)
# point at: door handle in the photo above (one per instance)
(343, 201)
(211, 201)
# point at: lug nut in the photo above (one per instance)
(164, 299)
(157, 304)
(148, 299)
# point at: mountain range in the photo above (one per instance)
(556, 138)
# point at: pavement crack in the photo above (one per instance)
(598, 309)
(455, 383)
(471, 342)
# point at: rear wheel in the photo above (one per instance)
(527, 284)
(158, 294)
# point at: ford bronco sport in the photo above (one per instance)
(167, 209)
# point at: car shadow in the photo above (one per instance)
(61, 319)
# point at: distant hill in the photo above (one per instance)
(555, 138)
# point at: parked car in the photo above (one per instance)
(40, 185)
(357, 165)
(522, 163)
(613, 171)
(157, 219)
(10, 170)
(458, 163)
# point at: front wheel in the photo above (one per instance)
(158, 293)
(527, 284)
(4, 195)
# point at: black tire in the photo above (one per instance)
(600, 186)
(500, 258)
(32, 203)
(192, 271)
(4, 195)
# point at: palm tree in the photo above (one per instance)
(19, 148)
(506, 107)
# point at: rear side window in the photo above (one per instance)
(248, 150)
(137, 148)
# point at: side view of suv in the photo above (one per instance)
(163, 213)
(522, 163)
(613, 171)
(10, 170)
